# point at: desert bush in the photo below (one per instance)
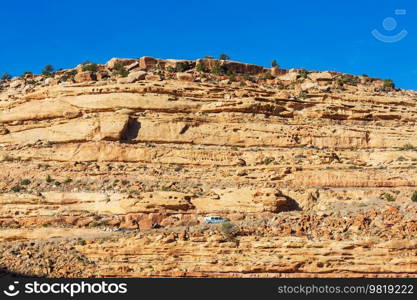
(181, 67)
(47, 71)
(69, 75)
(90, 67)
(229, 230)
(68, 180)
(119, 69)
(274, 63)
(167, 189)
(414, 197)
(302, 95)
(406, 147)
(81, 242)
(217, 69)
(171, 69)
(303, 73)
(25, 182)
(389, 197)
(224, 56)
(388, 84)
(16, 188)
(268, 160)
(347, 79)
(49, 179)
(178, 168)
(200, 67)
(6, 76)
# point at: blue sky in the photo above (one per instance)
(316, 35)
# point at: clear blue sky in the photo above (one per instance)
(316, 35)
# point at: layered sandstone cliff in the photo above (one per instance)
(109, 170)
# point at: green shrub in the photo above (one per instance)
(406, 147)
(388, 84)
(6, 76)
(31, 82)
(47, 71)
(69, 75)
(200, 67)
(119, 69)
(302, 95)
(25, 182)
(171, 69)
(81, 242)
(167, 189)
(229, 230)
(389, 197)
(274, 63)
(224, 56)
(217, 69)
(181, 67)
(178, 168)
(347, 79)
(90, 67)
(414, 197)
(49, 179)
(16, 188)
(67, 180)
(268, 160)
(303, 73)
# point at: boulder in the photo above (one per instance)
(308, 85)
(84, 76)
(147, 62)
(51, 81)
(177, 64)
(132, 66)
(206, 63)
(133, 77)
(321, 76)
(231, 66)
(153, 77)
(290, 76)
(124, 61)
(276, 71)
(3, 130)
(241, 68)
(16, 83)
(100, 75)
(185, 76)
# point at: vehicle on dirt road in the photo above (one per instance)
(215, 220)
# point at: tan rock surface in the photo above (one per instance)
(104, 175)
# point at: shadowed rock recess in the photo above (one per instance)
(108, 171)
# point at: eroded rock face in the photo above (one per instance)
(315, 170)
(84, 76)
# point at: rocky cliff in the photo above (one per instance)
(109, 170)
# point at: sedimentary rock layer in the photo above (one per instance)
(105, 175)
